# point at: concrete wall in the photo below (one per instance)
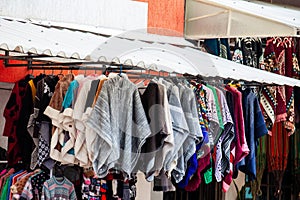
(117, 14)
(232, 194)
(145, 189)
(4, 96)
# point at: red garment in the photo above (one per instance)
(268, 97)
(280, 69)
(196, 179)
(241, 148)
(12, 114)
(291, 70)
(278, 150)
(3, 178)
(14, 180)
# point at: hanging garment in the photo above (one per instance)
(291, 70)
(228, 176)
(268, 102)
(278, 150)
(121, 125)
(39, 124)
(9, 183)
(218, 131)
(295, 138)
(261, 162)
(212, 116)
(218, 47)
(180, 127)
(18, 187)
(180, 132)
(196, 179)
(191, 169)
(205, 100)
(203, 147)
(222, 163)
(55, 189)
(279, 50)
(153, 99)
(53, 111)
(79, 109)
(90, 140)
(241, 147)
(34, 186)
(16, 115)
(4, 177)
(248, 51)
(69, 131)
(15, 179)
(254, 129)
(189, 107)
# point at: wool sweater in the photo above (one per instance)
(180, 127)
(121, 125)
(189, 107)
(89, 142)
(54, 189)
(79, 108)
(153, 103)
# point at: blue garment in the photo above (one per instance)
(218, 47)
(10, 182)
(255, 128)
(69, 97)
(191, 169)
(212, 46)
(67, 103)
(193, 161)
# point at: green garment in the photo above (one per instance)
(5, 189)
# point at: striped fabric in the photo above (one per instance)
(222, 164)
(60, 190)
(121, 125)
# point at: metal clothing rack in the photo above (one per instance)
(5, 162)
(114, 66)
(9, 89)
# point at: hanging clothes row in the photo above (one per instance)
(15, 184)
(176, 132)
(278, 55)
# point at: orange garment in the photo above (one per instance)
(278, 150)
(101, 82)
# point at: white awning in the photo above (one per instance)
(175, 55)
(239, 18)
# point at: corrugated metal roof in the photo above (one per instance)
(29, 38)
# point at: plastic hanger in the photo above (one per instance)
(234, 84)
(31, 76)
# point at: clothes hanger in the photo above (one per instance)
(60, 74)
(234, 84)
(287, 41)
(58, 172)
(31, 75)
